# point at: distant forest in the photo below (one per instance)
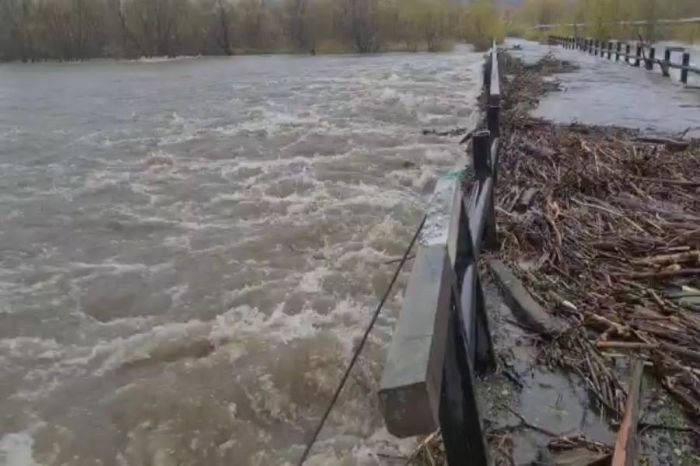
(602, 17)
(32, 30)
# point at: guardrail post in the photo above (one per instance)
(487, 73)
(610, 48)
(460, 421)
(684, 70)
(651, 59)
(628, 50)
(666, 69)
(493, 119)
(494, 97)
(638, 59)
(482, 143)
(618, 49)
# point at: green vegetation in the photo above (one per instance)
(602, 18)
(80, 29)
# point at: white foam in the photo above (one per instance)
(311, 281)
(16, 449)
(163, 59)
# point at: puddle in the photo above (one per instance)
(553, 401)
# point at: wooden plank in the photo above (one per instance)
(626, 445)
(412, 379)
(522, 303)
(437, 224)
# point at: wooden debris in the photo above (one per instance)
(580, 456)
(610, 242)
(525, 200)
(671, 144)
(626, 445)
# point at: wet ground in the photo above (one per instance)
(604, 92)
(550, 399)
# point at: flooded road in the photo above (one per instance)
(189, 250)
(604, 92)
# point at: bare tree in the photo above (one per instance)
(224, 15)
(17, 15)
(362, 17)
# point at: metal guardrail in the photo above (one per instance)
(442, 337)
(642, 54)
(657, 22)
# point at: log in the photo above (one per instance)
(687, 353)
(626, 445)
(525, 200)
(661, 274)
(666, 259)
(536, 151)
(625, 345)
(671, 144)
(686, 183)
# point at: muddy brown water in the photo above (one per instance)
(189, 250)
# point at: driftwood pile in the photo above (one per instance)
(603, 226)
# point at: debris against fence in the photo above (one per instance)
(610, 240)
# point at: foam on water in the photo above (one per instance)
(191, 251)
(16, 449)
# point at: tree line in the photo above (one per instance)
(33, 30)
(602, 17)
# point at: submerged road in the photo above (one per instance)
(605, 92)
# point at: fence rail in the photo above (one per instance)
(657, 22)
(642, 54)
(442, 337)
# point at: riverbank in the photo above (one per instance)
(324, 49)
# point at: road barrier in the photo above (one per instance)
(642, 54)
(442, 337)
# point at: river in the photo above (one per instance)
(190, 249)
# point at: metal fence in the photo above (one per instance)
(642, 54)
(442, 337)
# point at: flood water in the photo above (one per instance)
(606, 92)
(190, 249)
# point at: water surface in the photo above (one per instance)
(189, 250)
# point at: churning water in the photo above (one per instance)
(189, 251)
